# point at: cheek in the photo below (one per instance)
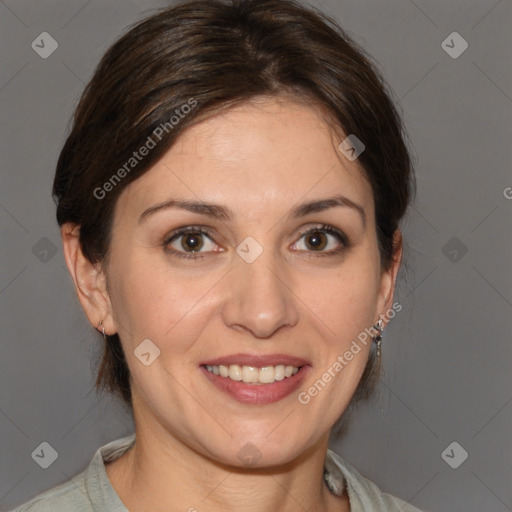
(346, 299)
(153, 301)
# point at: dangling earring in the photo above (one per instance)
(102, 329)
(379, 326)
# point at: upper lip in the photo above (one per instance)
(258, 361)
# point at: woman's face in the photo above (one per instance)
(251, 285)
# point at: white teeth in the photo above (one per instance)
(235, 372)
(279, 372)
(267, 375)
(252, 374)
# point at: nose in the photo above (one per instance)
(260, 297)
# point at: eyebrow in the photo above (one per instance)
(223, 213)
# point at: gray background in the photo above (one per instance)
(447, 355)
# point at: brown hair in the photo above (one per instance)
(209, 55)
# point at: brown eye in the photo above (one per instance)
(192, 241)
(325, 240)
(316, 240)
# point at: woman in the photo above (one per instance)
(229, 200)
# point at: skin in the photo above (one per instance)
(259, 159)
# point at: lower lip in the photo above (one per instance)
(255, 394)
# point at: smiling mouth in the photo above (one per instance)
(253, 374)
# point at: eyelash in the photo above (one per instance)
(339, 235)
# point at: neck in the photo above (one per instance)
(160, 473)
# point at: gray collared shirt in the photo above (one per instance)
(91, 491)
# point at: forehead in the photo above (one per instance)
(259, 154)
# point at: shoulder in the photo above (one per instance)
(68, 496)
(89, 491)
(364, 495)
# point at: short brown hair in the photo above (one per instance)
(220, 53)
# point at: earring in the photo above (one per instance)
(102, 329)
(379, 327)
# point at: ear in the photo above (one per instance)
(89, 279)
(388, 278)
